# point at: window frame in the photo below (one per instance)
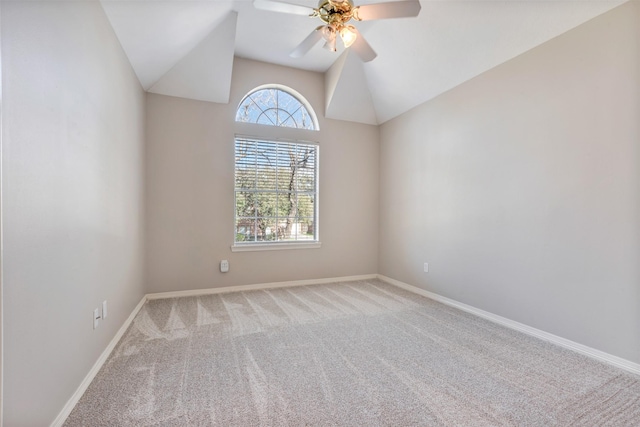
(279, 134)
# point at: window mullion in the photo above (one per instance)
(255, 188)
(277, 192)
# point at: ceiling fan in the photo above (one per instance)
(336, 14)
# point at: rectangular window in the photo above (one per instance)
(276, 192)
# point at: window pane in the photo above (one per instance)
(283, 205)
(267, 118)
(287, 102)
(266, 230)
(301, 118)
(245, 204)
(305, 205)
(245, 230)
(263, 98)
(307, 229)
(275, 107)
(266, 204)
(306, 179)
(286, 120)
(248, 111)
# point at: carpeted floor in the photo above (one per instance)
(347, 354)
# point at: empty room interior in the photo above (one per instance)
(320, 213)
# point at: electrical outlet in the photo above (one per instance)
(104, 309)
(96, 317)
(426, 267)
(224, 266)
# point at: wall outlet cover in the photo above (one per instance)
(96, 317)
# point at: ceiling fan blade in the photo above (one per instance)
(362, 48)
(306, 45)
(277, 6)
(396, 9)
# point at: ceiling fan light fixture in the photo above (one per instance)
(329, 33)
(348, 34)
(330, 45)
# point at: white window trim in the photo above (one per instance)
(275, 133)
(273, 246)
(255, 137)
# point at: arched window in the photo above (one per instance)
(275, 105)
(276, 180)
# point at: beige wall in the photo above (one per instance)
(72, 184)
(521, 188)
(190, 199)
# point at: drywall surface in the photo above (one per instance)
(190, 191)
(72, 183)
(520, 188)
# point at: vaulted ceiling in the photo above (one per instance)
(185, 48)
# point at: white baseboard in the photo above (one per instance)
(260, 286)
(562, 342)
(571, 345)
(71, 403)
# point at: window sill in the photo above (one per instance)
(274, 246)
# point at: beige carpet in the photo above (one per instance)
(346, 354)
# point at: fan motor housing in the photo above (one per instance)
(335, 11)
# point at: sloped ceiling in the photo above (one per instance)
(172, 46)
(347, 92)
(192, 78)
